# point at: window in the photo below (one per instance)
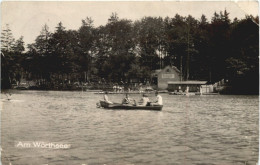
(168, 76)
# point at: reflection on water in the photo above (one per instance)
(189, 130)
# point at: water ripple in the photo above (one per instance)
(190, 130)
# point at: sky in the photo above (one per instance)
(27, 18)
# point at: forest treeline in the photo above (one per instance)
(208, 49)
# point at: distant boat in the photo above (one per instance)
(118, 106)
(22, 86)
(191, 93)
(184, 93)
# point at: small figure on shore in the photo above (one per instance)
(159, 100)
(121, 89)
(187, 89)
(180, 91)
(114, 88)
(106, 98)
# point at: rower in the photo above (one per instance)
(106, 98)
(158, 99)
(128, 100)
(144, 101)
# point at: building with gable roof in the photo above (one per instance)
(168, 74)
(170, 78)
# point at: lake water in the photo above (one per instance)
(219, 129)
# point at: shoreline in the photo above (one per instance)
(100, 91)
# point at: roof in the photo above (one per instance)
(157, 71)
(187, 82)
(176, 69)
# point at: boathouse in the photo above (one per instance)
(170, 79)
(163, 76)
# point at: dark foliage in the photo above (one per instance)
(126, 51)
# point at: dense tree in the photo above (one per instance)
(150, 40)
(176, 41)
(126, 51)
(201, 66)
(117, 51)
(243, 63)
(19, 45)
(11, 58)
(219, 34)
(38, 53)
(7, 39)
(86, 47)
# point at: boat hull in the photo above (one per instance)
(117, 106)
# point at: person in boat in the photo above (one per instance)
(128, 101)
(106, 98)
(144, 101)
(158, 101)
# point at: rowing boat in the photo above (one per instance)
(118, 106)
